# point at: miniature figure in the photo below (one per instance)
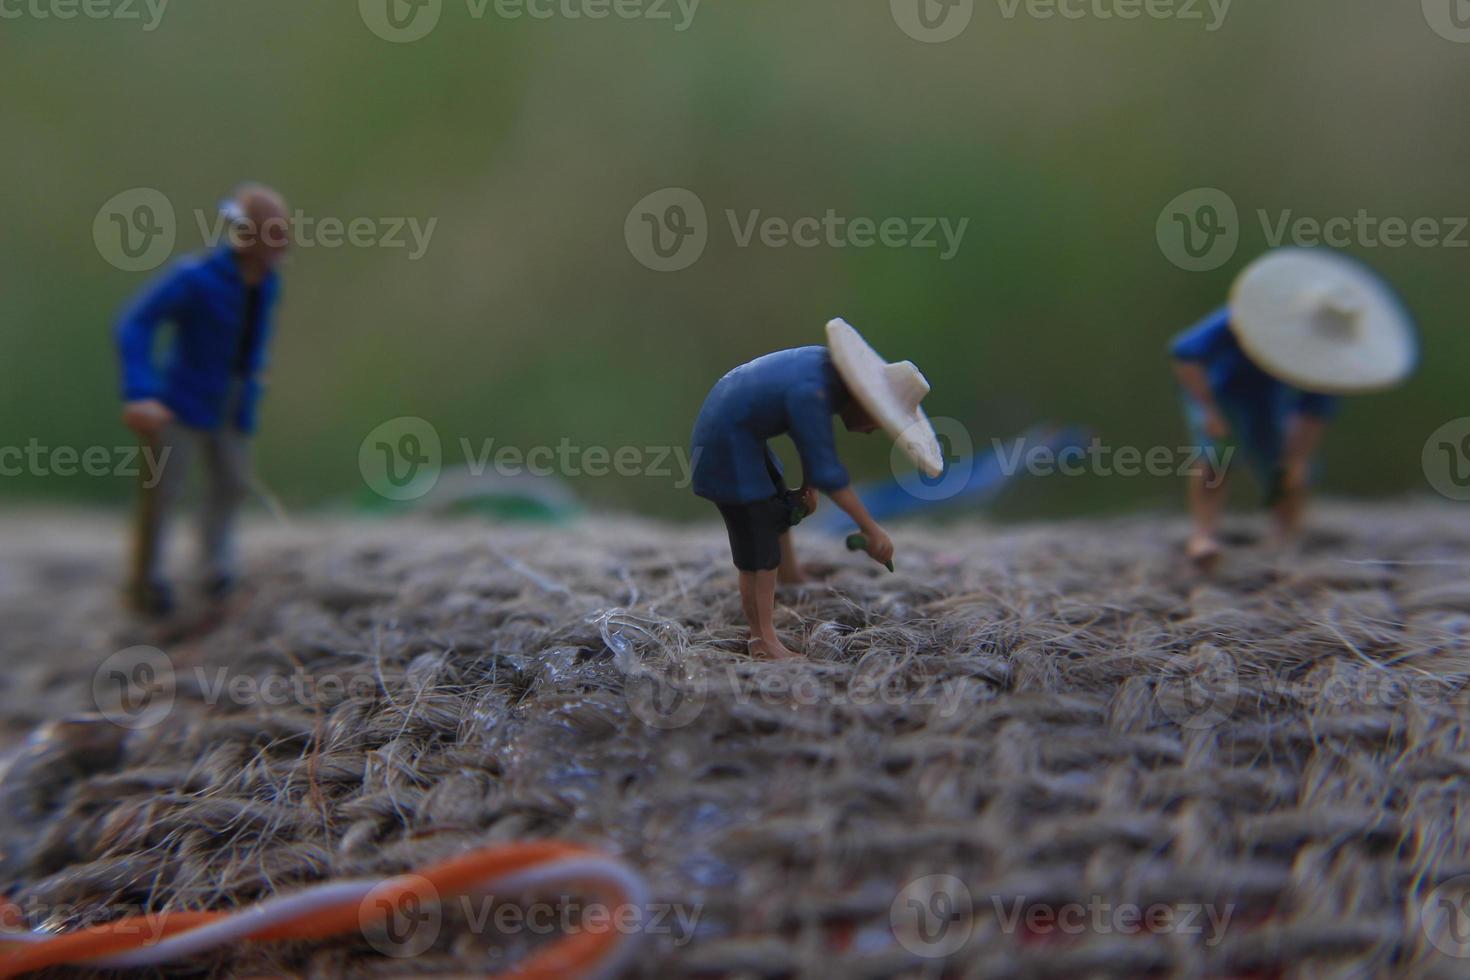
(221, 307)
(1302, 327)
(796, 392)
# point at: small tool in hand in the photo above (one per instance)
(859, 542)
(797, 505)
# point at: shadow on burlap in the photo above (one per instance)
(1063, 719)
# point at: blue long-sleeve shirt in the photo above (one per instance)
(212, 348)
(793, 392)
(1234, 377)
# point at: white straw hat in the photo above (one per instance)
(890, 392)
(1322, 322)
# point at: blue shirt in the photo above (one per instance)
(212, 348)
(1235, 378)
(795, 392)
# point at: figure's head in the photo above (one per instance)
(260, 226)
(856, 418)
(884, 396)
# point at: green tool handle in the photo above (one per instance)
(859, 542)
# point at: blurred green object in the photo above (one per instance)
(859, 542)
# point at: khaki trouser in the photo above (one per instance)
(226, 455)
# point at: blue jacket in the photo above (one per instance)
(793, 392)
(204, 297)
(1235, 378)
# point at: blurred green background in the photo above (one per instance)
(529, 320)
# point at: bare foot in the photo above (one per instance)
(1204, 552)
(770, 650)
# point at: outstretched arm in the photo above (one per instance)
(1192, 352)
(809, 415)
(1195, 381)
(142, 388)
(880, 546)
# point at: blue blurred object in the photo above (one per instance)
(968, 483)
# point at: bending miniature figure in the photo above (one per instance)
(797, 392)
(221, 307)
(1302, 327)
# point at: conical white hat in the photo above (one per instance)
(891, 392)
(1323, 322)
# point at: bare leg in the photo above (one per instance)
(747, 600)
(1208, 493)
(790, 572)
(1289, 511)
(227, 458)
(1304, 434)
(158, 501)
(758, 599)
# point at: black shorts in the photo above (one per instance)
(755, 531)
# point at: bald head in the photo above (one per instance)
(262, 228)
(260, 203)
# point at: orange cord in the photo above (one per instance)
(566, 957)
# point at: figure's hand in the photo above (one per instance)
(809, 499)
(880, 545)
(1216, 425)
(147, 417)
